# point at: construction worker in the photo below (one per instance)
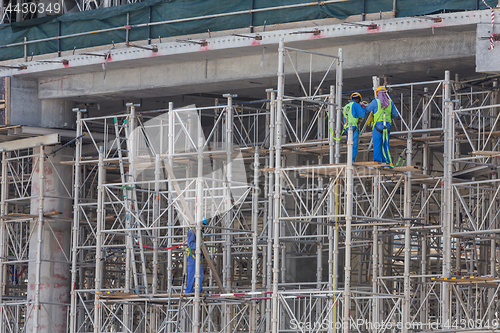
(191, 266)
(351, 114)
(384, 111)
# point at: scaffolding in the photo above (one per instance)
(299, 238)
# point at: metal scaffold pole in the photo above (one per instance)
(348, 218)
(3, 212)
(447, 198)
(98, 253)
(76, 222)
(170, 221)
(277, 185)
(255, 227)
(228, 264)
(270, 210)
(375, 249)
(198, 220)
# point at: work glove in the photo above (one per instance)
(369, 121)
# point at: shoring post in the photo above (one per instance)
(170, 212)
(331, 160)
(198, 221)
(277, 183)
(320, 227)
(270, 201)
(338, 102)
(447, 199)
(407, 250)
(128, 237)
(348, 219)
(426, 106)
(156, 224)
(493, 250)
(3, 212)
(98, 245)
(332, 230)
(375, 248)
(170, 161)
(156, 216)
(338, 132)
(319, 247)
(229, 216)
(255, 226)
(41, 200)
(76, 222)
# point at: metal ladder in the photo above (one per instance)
(171, 313)
(131, 204)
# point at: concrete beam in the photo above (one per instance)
(45, 140)
(361, 59)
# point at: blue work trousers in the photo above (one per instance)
(355, 139)
(191, 267)
(381, 151)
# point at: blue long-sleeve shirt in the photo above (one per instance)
(357, 111)
(373, 106)
(191, 241)
(191, 238)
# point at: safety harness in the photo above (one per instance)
(188, 249)
(383, 115)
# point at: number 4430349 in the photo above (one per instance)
(32, 8)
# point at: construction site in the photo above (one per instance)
(186, 166)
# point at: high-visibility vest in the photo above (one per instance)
(382, 114)
(348, 117)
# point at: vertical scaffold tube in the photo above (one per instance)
(348, 220)
(332, 230)
(255, 226)
(407, 251)
(3, 212)
(98, 245)
(277, 183)
(375, 254)
(447, 198)
(272, 126)
(170, 161)
(76, 222)
(198, 221)
(228, 264)
(156, 224)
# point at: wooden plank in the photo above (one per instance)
(486, 153)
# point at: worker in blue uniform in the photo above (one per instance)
(384, 111)
(191, 266)
(351, 114)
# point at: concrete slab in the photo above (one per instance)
(232, 46)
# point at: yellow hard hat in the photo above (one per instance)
(356, 93)
(381, 88)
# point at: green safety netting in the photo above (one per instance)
(163, 10)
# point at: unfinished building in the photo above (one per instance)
(123, 132)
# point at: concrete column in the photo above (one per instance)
(54, 278)
(55, 113)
